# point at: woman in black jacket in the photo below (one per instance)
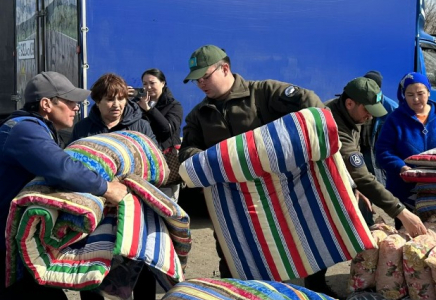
(112, 111)
(164, 114)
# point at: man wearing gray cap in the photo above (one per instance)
(29, 147)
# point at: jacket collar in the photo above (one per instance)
(348, 121)
(239, 89)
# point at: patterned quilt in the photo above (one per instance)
(279, 198)
(235, 289)
(68, 240)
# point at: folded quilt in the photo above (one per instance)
(235, 289)
(279, 198)
(68, 239)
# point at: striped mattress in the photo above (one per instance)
(279, 198)
(68, 240)
(236, 289)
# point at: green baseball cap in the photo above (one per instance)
(202, 59)
(367, 92)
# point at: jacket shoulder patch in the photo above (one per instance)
(290, 90)
(356, 160)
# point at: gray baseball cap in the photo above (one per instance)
(53, 84)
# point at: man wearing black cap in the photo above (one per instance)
(29, 147)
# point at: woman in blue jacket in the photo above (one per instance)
(410, 129)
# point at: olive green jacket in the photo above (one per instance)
(367, 184)
(250, 104)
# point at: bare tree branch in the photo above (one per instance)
(430, 17)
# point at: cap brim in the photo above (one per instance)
(196, 74)
(76, 95)
(376, 110)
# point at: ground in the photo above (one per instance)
(203, 260)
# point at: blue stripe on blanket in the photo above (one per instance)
(300, 217)
(214, 158)
(272, 131)
(230, 224)
(243, 220)
(150, 157)
(323, 226)
(199, 170)
(92, 164)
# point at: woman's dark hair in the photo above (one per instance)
(156, 73)
(109, 85)
(161, 76)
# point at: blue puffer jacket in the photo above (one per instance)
(403, 135)
(28, 148)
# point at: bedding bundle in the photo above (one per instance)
(235, 289)
(401, 267)
(68, 240)
(424, 174)
(279, 198)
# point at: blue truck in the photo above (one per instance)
(317, 44)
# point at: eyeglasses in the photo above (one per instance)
(206, 77)
(69, 103)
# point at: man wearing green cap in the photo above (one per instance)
(233, 106)
(359, 102)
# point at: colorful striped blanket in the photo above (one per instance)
(67, 239)
(279, 198)
(235, 289)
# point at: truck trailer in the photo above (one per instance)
(317, 44)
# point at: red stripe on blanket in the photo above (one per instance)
(24, 252)
(72, 262)
(241, 292)
(348, 204)
(172, 268)
(136, 226)
(258, 229)
(144, 193)
(324, 204)
(226, 161)
(303, 125)
(284, 229)
(75, 286)
(332, 133)
(56, 204)
(253, 155)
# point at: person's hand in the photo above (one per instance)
(115, 192)
(404, 169)
(361, 197)
(130, 92)
(144, 102)
(412, 223)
